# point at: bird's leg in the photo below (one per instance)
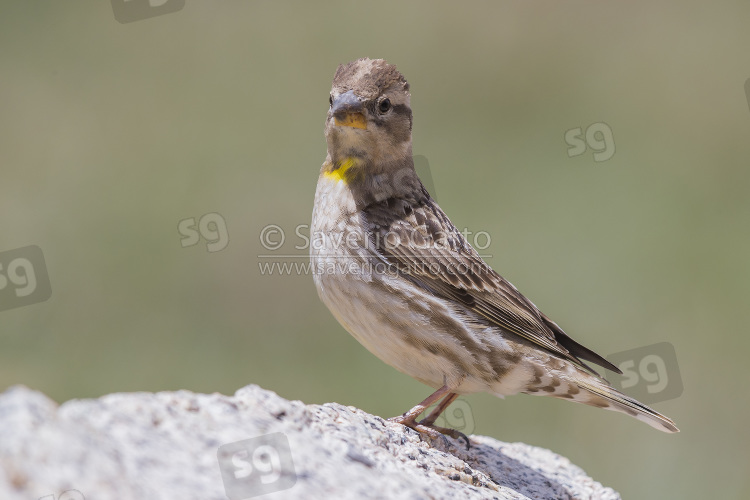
(426, 426)
(409, 418)
(439, 409)
(429, 421)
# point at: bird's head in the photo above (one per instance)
(368, 126)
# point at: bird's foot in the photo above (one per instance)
(429, 429)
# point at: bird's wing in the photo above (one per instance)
(416, 237)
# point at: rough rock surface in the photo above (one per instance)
(181, 445)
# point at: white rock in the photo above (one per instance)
(166, 446)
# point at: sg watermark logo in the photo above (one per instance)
(650, 374)
(212, 227)
(23, 277)
(256, 466)
(127, 11)
(457, 416)
(598, 136)
(65, 495)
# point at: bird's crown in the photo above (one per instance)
(368, 78)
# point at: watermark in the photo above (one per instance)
(358, 267)
(23, 278)
(212, 227)
(458, 416)
(598, 137)
(747, 92)
(273, 237)
(650, 374)
(340, 253)
(256, 466)
(65, 495)
(128, 11)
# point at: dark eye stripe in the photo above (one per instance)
(401, 109)
(381, 120)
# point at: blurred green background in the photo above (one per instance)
(111, 134)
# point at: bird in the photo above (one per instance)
(404, 281)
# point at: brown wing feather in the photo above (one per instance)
(417, 237)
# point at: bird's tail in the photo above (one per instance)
(597, 393)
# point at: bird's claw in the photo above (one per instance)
(430, 429)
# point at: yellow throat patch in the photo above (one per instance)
(342, 171)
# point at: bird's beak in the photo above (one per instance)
(347, 111)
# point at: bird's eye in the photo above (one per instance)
(330, 100)
(384, 105)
